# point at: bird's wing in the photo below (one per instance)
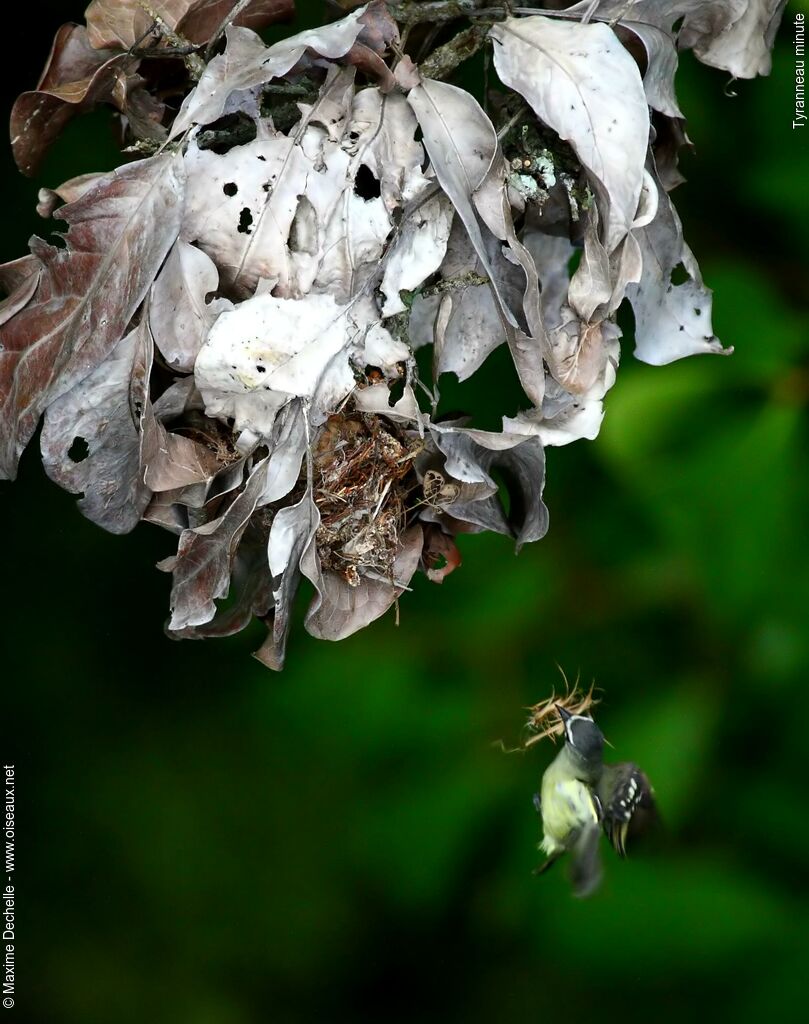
(628, 802)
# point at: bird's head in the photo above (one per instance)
(582, 734)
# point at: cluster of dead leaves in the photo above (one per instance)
(224, 342)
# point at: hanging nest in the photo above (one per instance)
(364, 477)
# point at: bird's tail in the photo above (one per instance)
(585, 862)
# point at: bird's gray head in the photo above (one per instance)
(582, 734)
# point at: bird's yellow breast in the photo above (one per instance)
(567, 805)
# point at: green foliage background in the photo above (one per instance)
(203, 842)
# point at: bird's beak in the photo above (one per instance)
(563, 713)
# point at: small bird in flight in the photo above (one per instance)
(580, 796)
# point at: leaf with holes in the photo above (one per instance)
(86, 293)
(672, 318)
(91, 437)
(267, 351)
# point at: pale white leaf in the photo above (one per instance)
(344, 219)
(462, 144)
(241, 205)
(582, 83)
(384, 351)
(527, 348)
(591, 284)
(287, 450)
(179, 313)
(475, 324)
(417, 253)
(735, 35)
(671, 320)
(268, 350)
(470, 456)
(376, 399)
(383, 133)
(291, 550)
(743, 45)
(564, 417)
(551, 255)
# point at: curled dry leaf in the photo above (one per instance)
(19, 279)
(734, 35)
(474, 326)
(340, 609)
(75, 78)
(123, 23)
(440, 554)
(745, 41)
(68, 192)
(672, 320)
(202, 566)
(462, 144)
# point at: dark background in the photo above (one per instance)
(202, 841)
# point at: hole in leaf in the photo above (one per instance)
(366, 184)
(79, 450)
(230, 188)
(504, 483)
(303, 233)
(680, 275)
(396, 392)
(574, 261)
(697, 311)
(245, 220)
(229, 131)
